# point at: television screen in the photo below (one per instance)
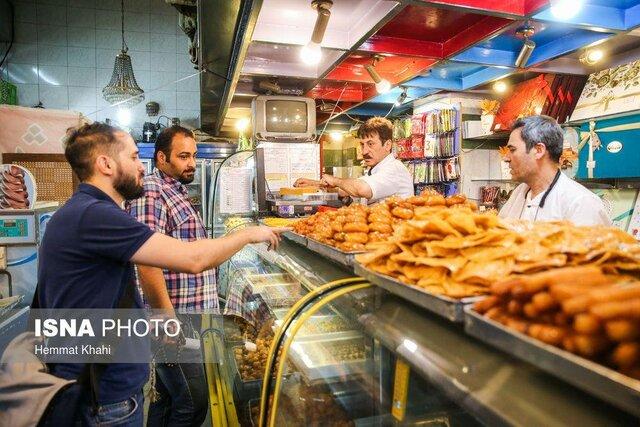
(286, 116)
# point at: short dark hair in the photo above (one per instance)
(164, 140)
(379, 126)
(84, 143)
(541, 130)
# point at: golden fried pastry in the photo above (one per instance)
(356, 238)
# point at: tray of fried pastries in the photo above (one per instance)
(442, 305)
(579, 323)
(295, 237)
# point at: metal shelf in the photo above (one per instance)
(497, 136)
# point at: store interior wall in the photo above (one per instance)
(64, 51)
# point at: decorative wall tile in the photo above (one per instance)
(53, 2)
(163, 43)
(136, 22)
(164, 24)
(140, 60)
(54, 97)
(137, 40)
(108, 20)
(50, 14)
(53, 35)
(23, 53)
(81, 17)
(166, 99)
(81, 37)
(163, 80)
(52, 75)
(85, 77)
(22, 73)
(105, 58)
(74, 49)
(162, 62)
(27, 94)
(188, 100)
(25, 12)
(108, 39)
(52, 55)
(83, 3)
(26, 32)
(81, 97)
(81, 57)
(160, 7)
(190, 84)
(108, 5)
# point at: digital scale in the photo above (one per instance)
(286, 208)
(21, 231)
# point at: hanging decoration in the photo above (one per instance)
(123, 89)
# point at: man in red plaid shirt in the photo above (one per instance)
(166, 208)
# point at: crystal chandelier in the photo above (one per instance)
(123, 90)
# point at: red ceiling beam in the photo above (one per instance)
(485, 27)
(396, 69)
(511, 7)
(533, 6)
(348, 92)
(400, 46)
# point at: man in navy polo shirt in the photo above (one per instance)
(87, 253)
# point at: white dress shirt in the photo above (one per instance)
(389, 178)
(567, 201)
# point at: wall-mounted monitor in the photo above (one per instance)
(283, 118)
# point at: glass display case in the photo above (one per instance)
(363, 357)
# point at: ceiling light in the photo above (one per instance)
(242, 124)
(500, 87)
(382, 85)
(401, 98)
(311, 53)
(123, 88)
(565, 9)
(592, 56)
(527, 48)
(336, 136)
(124, 116)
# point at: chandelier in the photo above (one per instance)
(123, 89)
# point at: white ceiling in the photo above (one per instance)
(292, 21)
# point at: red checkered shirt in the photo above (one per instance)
(165, 208)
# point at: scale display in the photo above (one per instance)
(14, 228)
(17, 229)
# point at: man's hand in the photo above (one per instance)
(306, 182)
(330, 180)
(266, 234)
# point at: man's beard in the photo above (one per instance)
(127, 186)
(186, 180)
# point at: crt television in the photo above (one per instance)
(283, 118)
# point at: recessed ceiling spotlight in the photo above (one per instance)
(592, 56)
(311, 53)
(565, 9)
(382, 85)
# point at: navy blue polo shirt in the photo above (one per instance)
(84, 262)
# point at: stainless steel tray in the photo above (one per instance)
(304, 335)
(295, 237)
(449, 308)
(345, 258)
(329, 372)
(591, 377)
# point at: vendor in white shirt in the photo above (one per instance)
(386, 176)
(546, 194)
